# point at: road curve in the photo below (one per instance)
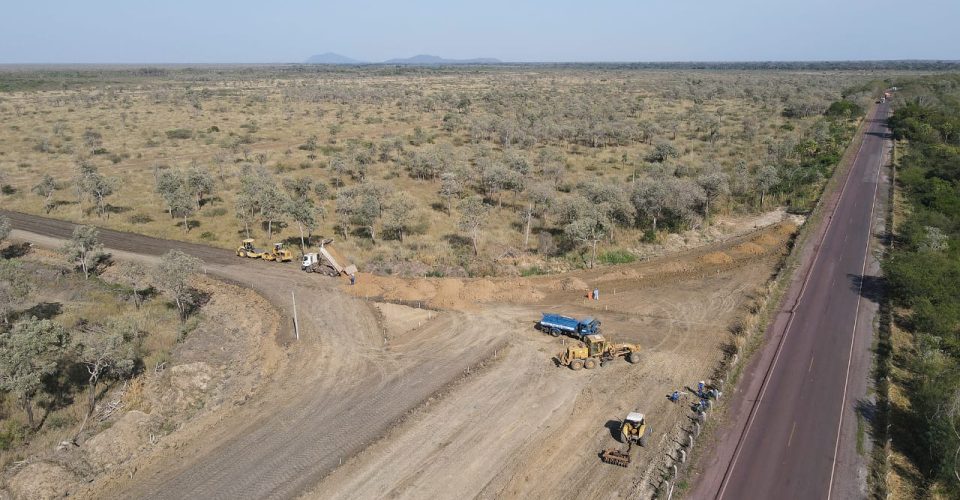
(792, 428)
(343, 387)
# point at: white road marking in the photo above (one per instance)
(856, 318)
(783, 339)
(809, 368)
(790, 440)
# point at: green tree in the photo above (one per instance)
(304, 213)
(400, 214)
(29, 353)
(46, 188)
(474, 214)
(15, 286)
(108, 349)
(5, 228)
(766, 178)
(172, 276)
(589, 227)
(83, 249)
(199, 184)
(715, 185)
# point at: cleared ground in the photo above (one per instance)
(368, 387)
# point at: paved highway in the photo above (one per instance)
(793, 421)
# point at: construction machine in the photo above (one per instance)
(633, 430)
(325, 261)
(247, 249)
(594, 350)
(278, 254)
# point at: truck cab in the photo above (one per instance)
(588, 326)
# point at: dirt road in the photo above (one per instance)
(382, 389)
(794, 425)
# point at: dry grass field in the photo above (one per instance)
(541, 145)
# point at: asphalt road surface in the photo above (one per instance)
(792, 431)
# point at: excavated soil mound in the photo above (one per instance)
(573, 284)
(43, 480)
(716, 258)
(749, 248)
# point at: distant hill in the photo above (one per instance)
(332, 58)
(426, 59)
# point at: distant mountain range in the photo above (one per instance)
(422, 59)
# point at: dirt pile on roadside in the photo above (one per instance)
(716, 258)
(444, 293)
(42, 480)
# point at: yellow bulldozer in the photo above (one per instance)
(247, 249)
(596, 350)
(633, 430)
(278, 254)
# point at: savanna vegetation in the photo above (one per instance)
(923, 273)
(425, 170)
(69, 336)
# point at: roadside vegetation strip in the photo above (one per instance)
(923, 275)
(730, 367)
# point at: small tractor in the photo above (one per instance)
(278, 254)
(247, 249)
(596, 350)
(633, 430)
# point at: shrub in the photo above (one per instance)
(140, 219)
(532, 271)
(180, 133)
(616, 257)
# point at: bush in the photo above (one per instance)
(532, 271)
(180, 133)
(616, 257)
(140, 219)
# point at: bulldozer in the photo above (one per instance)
(633, 430)
(596, 350)
(247, 249)
(278, 254)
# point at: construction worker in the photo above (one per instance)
(700, 386)
(596, 294)
(353, 279)
(674, 396)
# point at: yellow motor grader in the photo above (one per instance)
(596, 350)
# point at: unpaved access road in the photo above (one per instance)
(383, 390)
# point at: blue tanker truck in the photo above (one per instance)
(555, 324)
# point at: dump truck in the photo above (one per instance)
(555, 325)
(633, 430)
(278, 254)
(595, 350)
(324, 261)
(246, 249)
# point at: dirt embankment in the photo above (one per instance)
(358, 369)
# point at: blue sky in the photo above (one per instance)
(198, 31)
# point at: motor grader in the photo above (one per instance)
(247, 249)
(594, 350)
(278, 254)
(633, 430)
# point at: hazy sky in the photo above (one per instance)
(142, 31)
